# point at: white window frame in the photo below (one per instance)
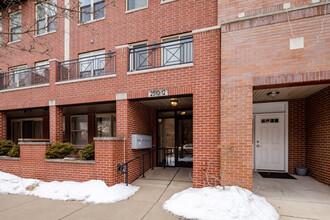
(112, 117)
(92, 5)
(135, 9)
(71, 131)
(16, 70)
(132, 59)
(47, 18)
(166, 1)
(94, 63)
(38, 64)
(170, 38)
(16, 27)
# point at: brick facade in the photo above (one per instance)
(318, 135)
(3, 126)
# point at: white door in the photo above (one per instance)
(269, 142)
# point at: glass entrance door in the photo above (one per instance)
(175, 138)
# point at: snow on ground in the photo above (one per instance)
(215, 203)
(93, 191)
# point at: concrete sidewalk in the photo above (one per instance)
(158, 186)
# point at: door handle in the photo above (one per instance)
(258, 145)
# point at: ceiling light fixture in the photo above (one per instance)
(273, 94)
(183, 112)
(174, 102)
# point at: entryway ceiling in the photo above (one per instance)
(287, 93)
(166, 103)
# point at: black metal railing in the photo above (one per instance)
(123, 168)
(85, 67)
(24, 77)
(164, 54)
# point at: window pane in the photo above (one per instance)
(85, 14)
(15, 37)
(99, 10)
(103, 125)
(85, 2)
(133, 4)
(41, 26)
(51, 24)
(15, 19)
(141, 58)
(171, 53)
(80, 138)
(41, 13)
(79, 123)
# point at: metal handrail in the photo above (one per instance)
(167, 53)
(86, 67)
(24, 77)
(123, 168)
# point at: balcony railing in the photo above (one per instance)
(24, 77)
(86, 67)
(164, 54)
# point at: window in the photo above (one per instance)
(26, 128)
(139, 56)
(18, 76)
(46, 17)
(79, 130)
(135, 4)
(92, 64)
(105, 125)
(91, 10)
(15, 26)
(41, 68)
(177, 49)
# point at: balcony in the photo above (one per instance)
(24, 77)
(87, 67)
(165, 54)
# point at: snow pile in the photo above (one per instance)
(93, 191)
(215, 203)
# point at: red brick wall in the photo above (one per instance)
(297, 134)
(55, 124)
(318, 135)
(10, 166)
(3, 126)
(206, 109)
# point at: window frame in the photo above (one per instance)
(92, 13)
(16, 71)
(15, 27)
(132, 58)
(174, 37)
(91, 55)
(47, 18)
(38, 119)
(135, 9)
(71, 130)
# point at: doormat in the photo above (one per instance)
(276, 175)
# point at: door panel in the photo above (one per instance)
(269, 142)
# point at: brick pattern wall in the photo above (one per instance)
(55, 124)
(206, 109)
(3, 126)
(297, 134)
(318, 135)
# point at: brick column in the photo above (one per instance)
(206, 109)
(3, 126)
(55, 124)
(236, 130)
(108, 154)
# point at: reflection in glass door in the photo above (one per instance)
(166, 141)
(175, 138)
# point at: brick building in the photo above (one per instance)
(210, 81)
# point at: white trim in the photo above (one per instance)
(70, 161)
(136, 9)
(46, 33)
(108, 139)
(28, 87)
(286, 129)
(67, 33)
(161, 68)
(121, 96)
(91, 21)
(206, 29)
(52, 102)
(85, 79)
(12, 42)
(167, 1)
(122, 46)
(54, 59)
